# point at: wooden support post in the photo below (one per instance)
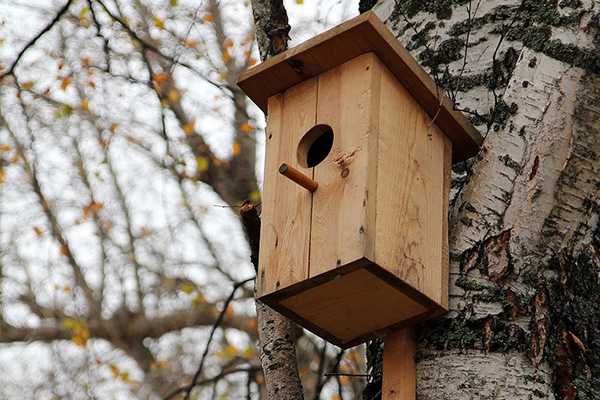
(399, 369)
(298, 177)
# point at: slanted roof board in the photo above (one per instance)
(360, 35)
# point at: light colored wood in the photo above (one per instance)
(286, 214)
(339, 222)
(399, 369)
(298, 177)
(381, 206)
(360, 35)
(353, 305)
(410, 186)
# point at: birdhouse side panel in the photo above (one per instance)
(340, 230)
(412, 169)
(286, 211)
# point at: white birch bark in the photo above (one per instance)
(524, 267)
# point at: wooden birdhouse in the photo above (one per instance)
(359, 147)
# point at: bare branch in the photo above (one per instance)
(33, 41)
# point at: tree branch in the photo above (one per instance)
(47, 28)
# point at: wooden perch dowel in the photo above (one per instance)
(298, 177)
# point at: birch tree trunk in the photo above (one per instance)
(277, 334)
(524, 239)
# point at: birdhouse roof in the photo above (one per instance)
(363, 34)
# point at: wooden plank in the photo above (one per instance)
(363, 34)
(286, 214)
(353, 305)
(399, 368)
(339, 223)
(410, 185)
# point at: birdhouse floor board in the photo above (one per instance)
(353, 303)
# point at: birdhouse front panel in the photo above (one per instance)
(381, 166)
(359, 148)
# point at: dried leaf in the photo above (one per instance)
(190, 43)
(236, 149)
(188, 127)
(160, 79)
(246, 127)
(85, 104)
(27, 85)
(65, 82)
(208, 18)
(202, 164)
(38, 231)
(173, 96)
(158, 22)
(92, 209)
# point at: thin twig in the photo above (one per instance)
(188, 388)
(58, 15)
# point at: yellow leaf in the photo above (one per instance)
(248, 352)
(85, 104)
(114, 370)
(86, 62)
(65, 82)
(334, 396)
(124, 376)
(201, 164)
(188, 128)
(4, 148)
(187, 288)
(299, 2)
(38, 231)
(251, 61)
(113, 127)
(159, 23)
(246, 127)
(70, 323)
(2, 176)
(230, 351)
(173, 3)
(236, 149)
(27, 85)
(254, 196)
(198, 299)
(79, 340)
(173, 95)
(208, 18)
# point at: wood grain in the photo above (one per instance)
(399, 369)
(353, 305)
(339, 223)
(410, 186)
(285, 228)
(360, 35)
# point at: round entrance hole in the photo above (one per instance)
(315, 145)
